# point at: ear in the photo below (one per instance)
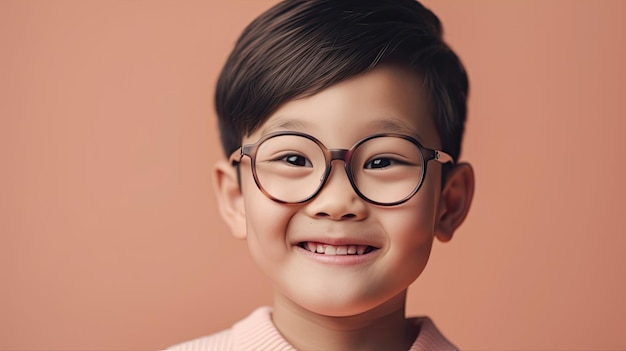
(229, 198)
(456, 198)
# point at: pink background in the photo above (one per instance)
(109, 235)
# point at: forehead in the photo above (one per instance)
(389, 98)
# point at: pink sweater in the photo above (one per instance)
(257, 333)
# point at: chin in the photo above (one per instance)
(341, 306)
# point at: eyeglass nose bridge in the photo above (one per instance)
(341, 155)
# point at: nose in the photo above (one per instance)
(337, 199)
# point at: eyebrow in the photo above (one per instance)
(386, 124)
(394, 125)
(288, 124)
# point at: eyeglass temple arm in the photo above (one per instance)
(442, 157)
(235, 160)
(235, 157)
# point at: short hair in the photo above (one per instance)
(300, 47)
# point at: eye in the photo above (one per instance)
(297, 160)
(379, 163)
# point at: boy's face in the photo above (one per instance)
(387, 99)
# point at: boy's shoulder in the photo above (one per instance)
(429, 337)
(218, 341)
(258, 333)
(255, 332)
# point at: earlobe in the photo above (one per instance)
(229, 198)
(456, 198)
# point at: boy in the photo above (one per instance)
(341, 121)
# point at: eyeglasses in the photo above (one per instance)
(384, 169)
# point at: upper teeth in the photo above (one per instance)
(336, 250)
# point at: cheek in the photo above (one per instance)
(413, 221)
(266, 223)
(410, 230)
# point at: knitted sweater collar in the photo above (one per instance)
(257, 332)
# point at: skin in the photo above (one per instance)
(326, 305)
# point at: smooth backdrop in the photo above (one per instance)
(109, 235)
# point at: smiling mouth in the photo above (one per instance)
(339, 250)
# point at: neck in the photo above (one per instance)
(382, 328)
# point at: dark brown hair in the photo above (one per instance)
(299, 47)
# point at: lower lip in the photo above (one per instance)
(339, 260)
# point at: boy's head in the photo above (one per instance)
(300, 47)
(365, 84)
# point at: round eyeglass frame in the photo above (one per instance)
(344, 155)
